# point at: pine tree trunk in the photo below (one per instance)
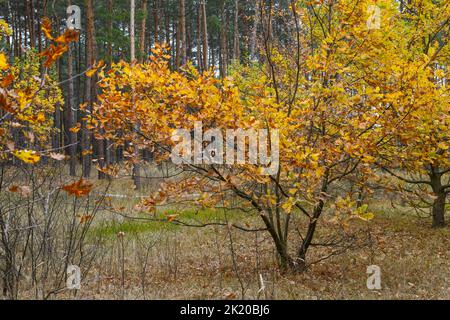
(136, 166)
(199, 39)
(236, 48)
(109, 148)
(156, 20)
(223, 40)
(178, 42)
(182, 30)
(110, 31)
(254, 32)
(167, 26)
(71, 114)
(132, 31)
(90, 40)
(205, 34)
(189, 36)
(143, 30)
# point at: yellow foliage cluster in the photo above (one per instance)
(28, 100)
(350, 100)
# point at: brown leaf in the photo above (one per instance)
(24, 191)
(57, 156)
(10, 145)
(78, 189)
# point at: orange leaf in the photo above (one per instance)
(40, 117)
(171, 217)
(85, 218)
(5, 104)
(68, 36)
(47, 28)
(79, 189)
(76, 128)
(86, 152)
(53, 53)
(6, 81)
(24, 191)
(94, 68)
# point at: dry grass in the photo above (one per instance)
(163, 261)
(186, 263)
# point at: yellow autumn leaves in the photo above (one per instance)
(3, 62)
(32, 157)
(4, 30)
(29, 107)
(95, 68)
(27, 156)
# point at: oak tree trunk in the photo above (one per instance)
(438, 209)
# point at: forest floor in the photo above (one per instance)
(162, 261)
(139, 259)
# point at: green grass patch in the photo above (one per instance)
(110, 229)
(130, 227)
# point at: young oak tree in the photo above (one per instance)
(416, 86)
(320, 99)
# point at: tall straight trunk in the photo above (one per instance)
(212, 55)
(227, 40)
(32, 28)
(57, 117)
(143, 29)
(223, 40)
(142, 48)
(182, 30)
(199, 40)
(236, 44)
(189, 36)
(71, 115)
(26, 25)
(14, 29)
(109, 148)
(78, 48)
(8, 22)
(38, 30)
(56, 136)
(205, 34)
(156, 20)
(29, 8)
(89, 88)
(178, 43)
(136, 166)
(167, 26)
(254, 31)
(19, 32)
(132, 31)
(175, 43)
(110, 31)
(70, 112)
